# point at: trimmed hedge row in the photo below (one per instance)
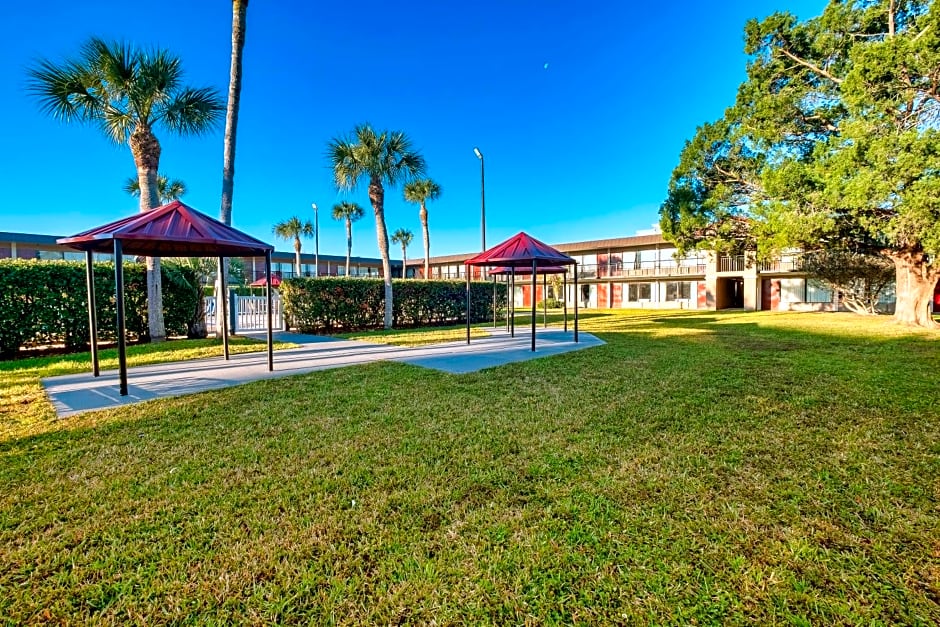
(328, 304)
(45, 302)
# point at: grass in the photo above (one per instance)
(24, 408)
(699, 468)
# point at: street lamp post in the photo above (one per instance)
(316, 241)
(479, 155)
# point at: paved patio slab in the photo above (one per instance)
(74, 394)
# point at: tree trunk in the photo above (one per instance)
(404, 262)
(239, 21)
(239, 16)
(423, 214)
(297, 256)
(915, 284)
(348, 243)
(146, 151)
(377, 198)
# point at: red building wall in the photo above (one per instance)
(602, 301)
(617, 295)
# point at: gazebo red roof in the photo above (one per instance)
(521, 250)
(175, 229)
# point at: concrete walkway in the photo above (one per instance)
(74, 394)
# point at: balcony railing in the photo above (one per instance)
(727, 263)
(789, 264)
(641, 269)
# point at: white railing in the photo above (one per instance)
(250, 313)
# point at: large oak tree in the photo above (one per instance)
(833, 143)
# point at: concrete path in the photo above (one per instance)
(73, 394)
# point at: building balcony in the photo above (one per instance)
(637, 270)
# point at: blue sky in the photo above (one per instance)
(580, 109)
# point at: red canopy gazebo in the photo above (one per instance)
(518, 253)
(173, 230)
(513, 272)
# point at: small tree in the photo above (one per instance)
(403, 238)
(861, 278)
(294, 229)
(350, 212)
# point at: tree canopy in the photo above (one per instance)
(833, 142)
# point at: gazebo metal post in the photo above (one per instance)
(494, 301)
(544, 301)
(512, 299)
(92, 314)
(468, 303)
(576, 297)
(564, 297)
(267, 269)
(534, 281)
(222, 298)
(119, 304)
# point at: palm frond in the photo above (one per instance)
(345, 164)
(293, 228)
(193, 111)
(348, 211)
(63, 92)
(403, 237)
(385, 155)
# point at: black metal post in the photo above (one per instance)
(267, 269)
(468, 304)
(494, 301)
(92, 314)
(119, 288)
(512, 299)
(223, 299)
(576, 297)
(534, 281)
(564, 296)
(545, 301)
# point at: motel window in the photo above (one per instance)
(678, 290)
(639, 291)
(49, 254)
(817, 292)
(791, 290)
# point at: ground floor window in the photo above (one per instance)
(639, 291)
(678, 290)
(804, 291)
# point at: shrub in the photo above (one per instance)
(44, 302)
(551, 303)
(325, 305)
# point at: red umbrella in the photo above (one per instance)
(275, 281)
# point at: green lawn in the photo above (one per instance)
(700, 468)
(24, 409)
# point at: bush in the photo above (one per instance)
(44, 302)
(326, 305)
(551, 303)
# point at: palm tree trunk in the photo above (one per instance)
(146, 151)
(404, 262)
(239, 21)
(377, 198)
(297, 256)
(239, 16)
(423, 214)
(348, 243)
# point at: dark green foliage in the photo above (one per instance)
(316, 305)
(44, 302)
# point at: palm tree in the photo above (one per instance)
(420, 192)
(403, 237)
(384, 158)
(167, 190)
(350, 212)
(127, 92)
(293, 229)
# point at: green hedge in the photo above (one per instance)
(44, 303)
(328, 304)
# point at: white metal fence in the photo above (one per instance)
(246, 313)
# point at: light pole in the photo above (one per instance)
(316, 240)
(479, 155)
